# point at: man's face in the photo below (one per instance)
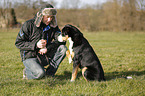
(47, 19)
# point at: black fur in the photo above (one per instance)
(84, 54)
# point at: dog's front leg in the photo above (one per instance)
(74, 73)
(70, 56)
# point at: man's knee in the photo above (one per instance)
(40, 74)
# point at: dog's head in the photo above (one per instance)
(73, 32)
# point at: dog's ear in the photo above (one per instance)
(65, 30)
(68, 30)
(72, 31)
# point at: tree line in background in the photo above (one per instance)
(113, 15)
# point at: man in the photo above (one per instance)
(39, 45)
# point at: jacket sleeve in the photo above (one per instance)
(22, 41)
(55, 43)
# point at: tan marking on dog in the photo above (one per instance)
(64, 38)
(72, 55)
(74, 74)
(68, 53)
(83, 71)
(45, 67)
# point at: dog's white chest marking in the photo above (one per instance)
(70, 48)
(70, 52)
(70, 45)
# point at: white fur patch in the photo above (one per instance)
(70, 45)
(70, 59)
(60, 38)
(70, 48)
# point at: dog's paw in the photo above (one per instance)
(72, 80)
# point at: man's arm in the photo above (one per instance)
(55, 43)
(22, 40)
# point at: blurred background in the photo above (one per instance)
(93, 15)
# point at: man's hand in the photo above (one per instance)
(41, 43)
(43, 51)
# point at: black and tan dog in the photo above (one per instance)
(84, 56)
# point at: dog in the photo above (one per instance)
(83, 55)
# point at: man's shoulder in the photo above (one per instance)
(30, 21)
(29, 24)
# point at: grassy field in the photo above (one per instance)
(121, 54)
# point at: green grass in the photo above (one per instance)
(121, 54)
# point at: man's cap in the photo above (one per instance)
(46, 10)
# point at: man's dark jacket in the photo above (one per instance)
(29, 35)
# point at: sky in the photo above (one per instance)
(85, 1)
(82, 2)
